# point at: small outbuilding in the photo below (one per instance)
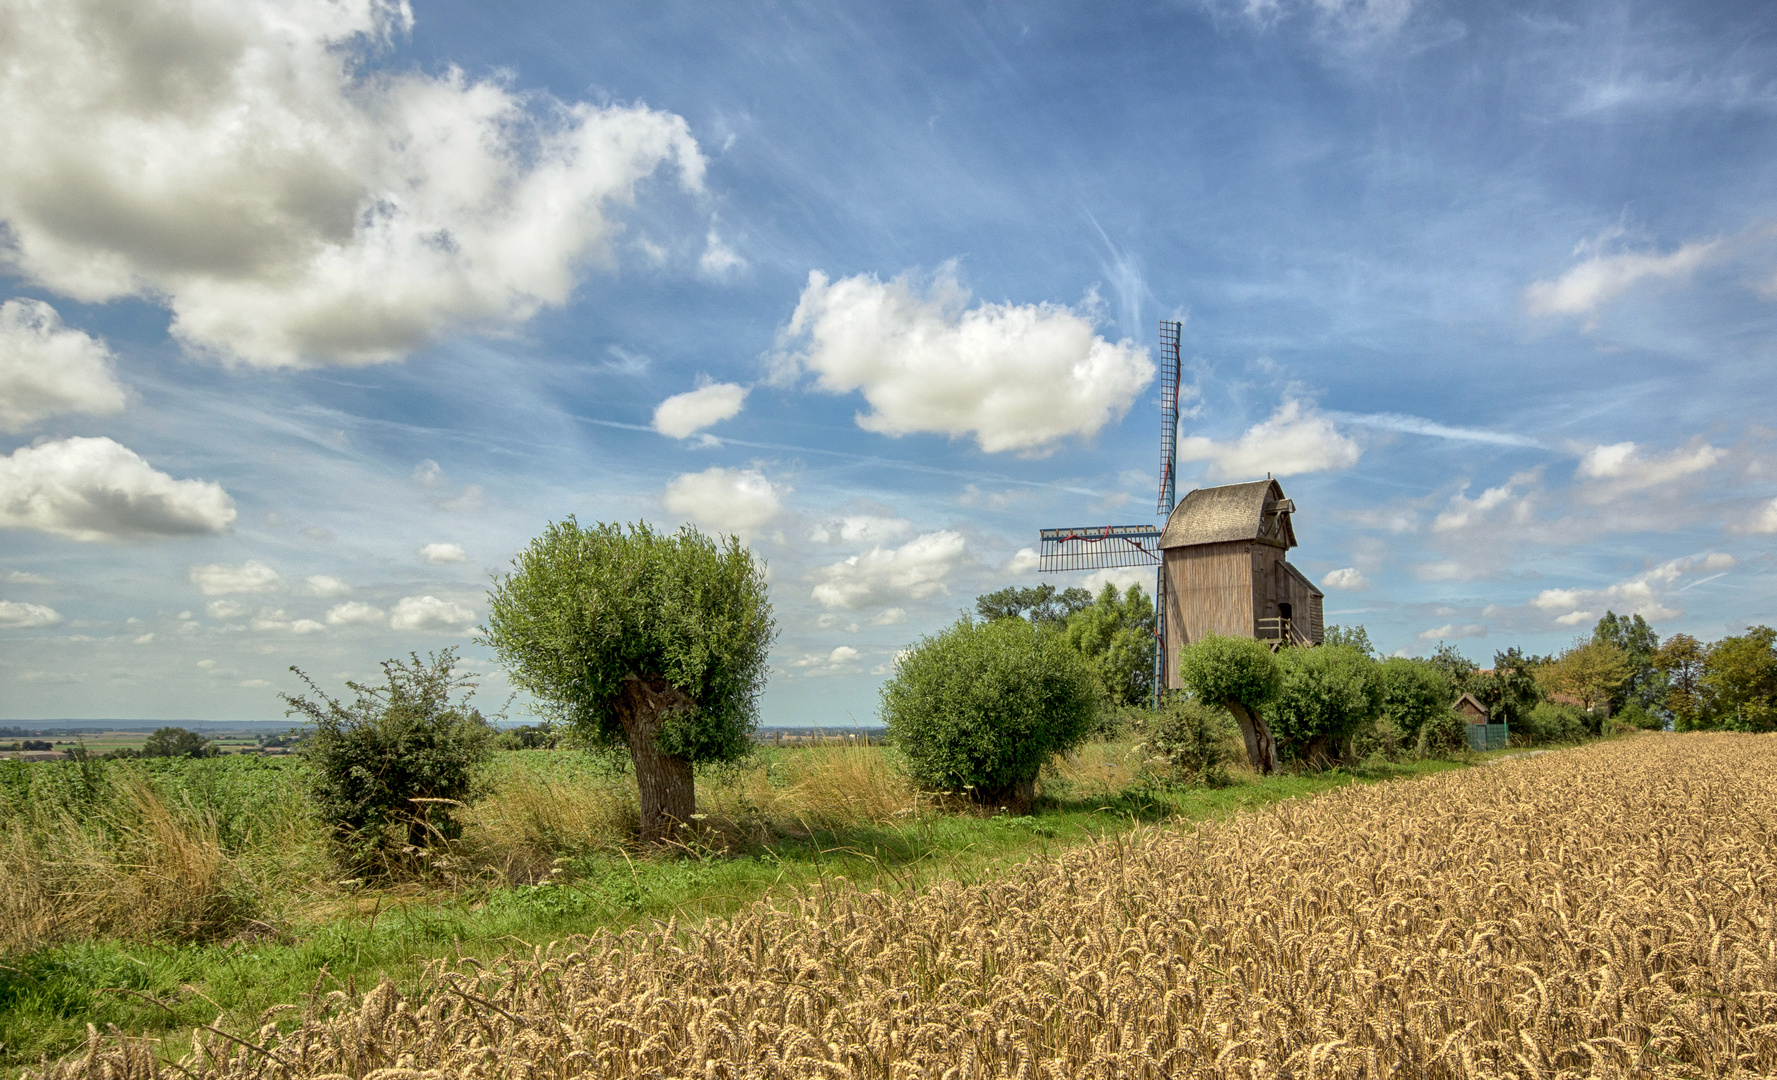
(1224, 571)
(1482, 733)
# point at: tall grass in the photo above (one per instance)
(204, 850)
(199, 850)
(148, 851)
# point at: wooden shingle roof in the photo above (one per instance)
(1230, 513)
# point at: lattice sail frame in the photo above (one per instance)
(1169, 391)
(1099, 547)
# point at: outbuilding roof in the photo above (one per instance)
(1217, 515)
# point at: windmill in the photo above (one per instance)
(1101, 547)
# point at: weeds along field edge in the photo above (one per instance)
(1606, 911)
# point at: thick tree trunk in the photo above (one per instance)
(1017, 796)
(1260, 751)
(664, 781)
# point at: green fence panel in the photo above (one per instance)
(1486, 737)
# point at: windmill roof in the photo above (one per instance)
(1221, 514)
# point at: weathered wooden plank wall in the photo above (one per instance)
(1209, 590)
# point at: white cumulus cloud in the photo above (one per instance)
(1024, 561)
(1602, 277)
(729, 500)
(441, 554)
(1120, 578)
(913, 571)
(47, 369)
(1348, 578)
(1763, 520)
(1014, 376)
(429, 613)
(220, 579)
(719, 259)
(274, 620)
(861, 529)
(353, 612)
(95, 489)
(683, 415)
(15, 615)
(1294, 440)
(841, 660)
(1622, 467)
(1515, 500)
(223, 610)
(244, 163)
(324, 586)
(1453, 632)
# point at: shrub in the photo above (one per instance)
(1549, 722)
(1380, 740)
(1410, 692)
(982, 706)
(1636, 716)
(1323, 697)
(1193, 738)
(392, 768)
(1242, 676)
(1445, 733)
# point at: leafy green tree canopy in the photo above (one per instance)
(1357, 637)
(1115, 635)
(1511, 691)
(1409, 693)
(1589, 672)
(1040, 604)
(176, 742)
(1322, 697)
(1740, 678)
(657, 641)
(1681, 660)
(1240, 675)
(982, 706)
(1646, 685)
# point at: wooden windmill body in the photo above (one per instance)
(1219, 558)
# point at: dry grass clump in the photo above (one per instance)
(543, 808)
(117, 849)
(792, 793)
(139, 867)
(1608, 911)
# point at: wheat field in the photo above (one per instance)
(1606, 911)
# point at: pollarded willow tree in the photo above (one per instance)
(652, 640)
(1242, 676)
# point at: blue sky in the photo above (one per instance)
(315, 313)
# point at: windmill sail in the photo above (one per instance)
(1169, 390)
(1099, 547)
